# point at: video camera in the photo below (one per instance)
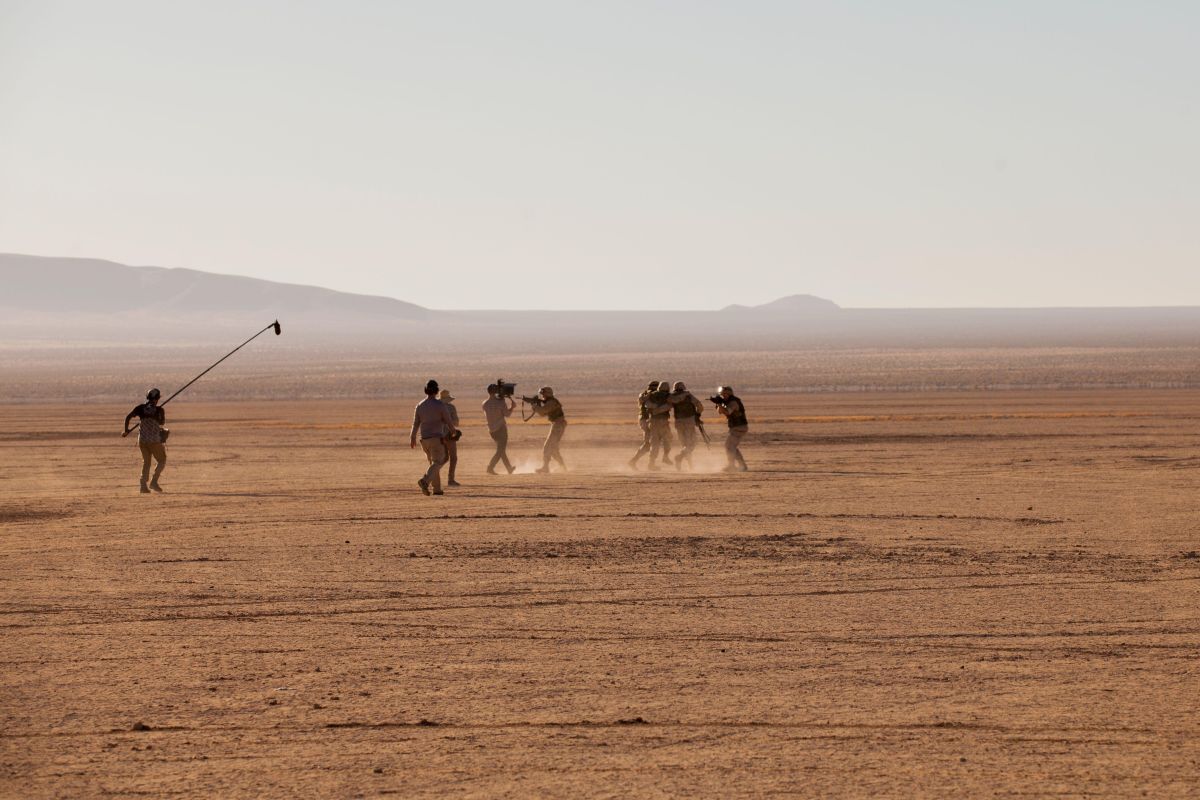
(505, 390)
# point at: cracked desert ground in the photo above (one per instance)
(911, 594)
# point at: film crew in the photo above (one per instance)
(687, 408)
(497, 408)
(432, 421)
(451, 440)
(549, 406)
(734, 412)
(152, 437)
(659, 406)
(643, 423)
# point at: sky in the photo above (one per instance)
(616, 155)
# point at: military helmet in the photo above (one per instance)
(153, 394)
(678, 387)
(546, 392)
(652, 385)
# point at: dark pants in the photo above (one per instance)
(500, 437)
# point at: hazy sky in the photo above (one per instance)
(616, 154)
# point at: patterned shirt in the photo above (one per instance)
(151, 419)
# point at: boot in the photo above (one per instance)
(145, 488)
(154, 485)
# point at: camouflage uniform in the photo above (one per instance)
(552, 409)
(660, 423)
(643, 423)
(687, 409)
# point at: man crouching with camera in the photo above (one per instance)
(734, 412)
(548, 406)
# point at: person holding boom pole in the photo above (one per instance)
(152, 436)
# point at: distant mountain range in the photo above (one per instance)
(77, 299)
(87, 286)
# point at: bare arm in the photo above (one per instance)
(412, 437)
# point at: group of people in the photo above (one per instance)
(435, 423)
(660, 401)
(436, 427)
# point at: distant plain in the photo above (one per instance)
(933, 587)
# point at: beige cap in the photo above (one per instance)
(445, 395)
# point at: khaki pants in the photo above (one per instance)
(159, 452)
(660, 437)
(550, 448)
(452, 457)
(500, 437)
(688, 433)
(732, 452)
(435, 451)
(644, 424)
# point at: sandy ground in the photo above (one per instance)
(977, 594)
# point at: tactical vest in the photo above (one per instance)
(685, 408)
(660, 399)
(556, 413)
(738, 419)
(643, 412)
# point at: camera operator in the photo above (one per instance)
(548, 406)
(432, 420)
(687, 408)
(734, 412)
(451, 440)
(643, 422)
(497, 409)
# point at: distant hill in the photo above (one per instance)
(36, 285)
(792, 304)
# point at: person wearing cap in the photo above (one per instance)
(432, 421)
(549, 406)
(643, 423)
(497, 410)
(687, 408)
(659, 406)
(151, 438)
(735, 414)
(451, 441)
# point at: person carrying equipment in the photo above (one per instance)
(497, 409)
(687, 408)
(432, 420)
(151, 437)
(734, 412)
(549, 406)
(643, 423)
